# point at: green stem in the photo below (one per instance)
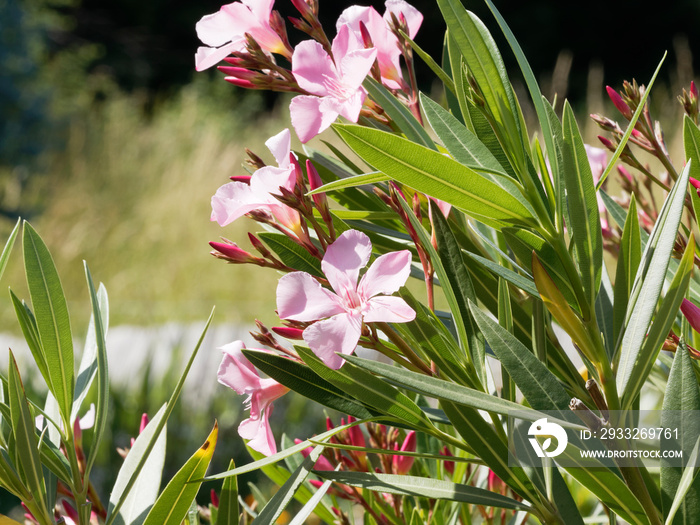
(405, 349)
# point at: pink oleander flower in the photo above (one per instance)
(224, 32)
(239, 374)
(235, 199)
(339, 315)
(598, 159)
(402, 464)
(384, 41)
(334, 83)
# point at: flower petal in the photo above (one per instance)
(340, 334)
(236, 371)
(218, 28)
(312, 67)
(235, 199)
(300, 297)
(280, 145)
(207, 57)
(309, 118)
(259, 433)
(386, 275)
(691, 313)
(343, 260)
(387, 309)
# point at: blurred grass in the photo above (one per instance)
(130, 194)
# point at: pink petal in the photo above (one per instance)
(386, 275)
(262, 397)
(355, 66)
(349, 107)
(387, 309)
(312, 67)
(300, 297)
(236, 371)
(207, 57)
(598, 159)
(259, 433)
(414, 18)
(280, 145)
(309, 118)
(402, 464)
(339, 334)
(218, 28)
(233, 200)
(269, 180)
(343, 260)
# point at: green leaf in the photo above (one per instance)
(88, 361)
(26, 444)
(172, 505)
(302, 380)
(535, 381)
(690, 472)
(439, 176)
(488, 445)
(448, 391)
(682, 397)
(606, 485)
(139, 501)
(649, 281)
(52, 318)
(663, 322)
(369, 390)
(27, 323)
(423, 488)
(456, 271)
(486, 65)
(229, 513)
(351, 182)
(461, 143)
(580, 192)
(159, 427)
(525, 283)
(5, 256)
(291, 253)
(402, 117)
(627, 266)
(102, 405)
(269, 514)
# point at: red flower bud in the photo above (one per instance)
(214, 499)
(247, 84)
(232, 253)
(402, 464)
(288, 332)
(620, 104)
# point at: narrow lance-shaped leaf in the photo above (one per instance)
(663, 322)
(5, 256)
(147, 485)
(172, 505)
(269, 514)
(439, 176)
(682, 397)
(690, 472)
(228, 500)
(585, 222)
(423, 487)
(26, 444)
(627, 266)
(52, 318)
(649, 280)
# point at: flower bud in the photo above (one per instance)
(232, 253)
(402, 464)
(288, 332)
(214, 499)
(691, 313)
(319, 199)
(245, 179)
(247, 84)
(619, 103)
(239, 72)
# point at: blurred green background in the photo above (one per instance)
(111, 146)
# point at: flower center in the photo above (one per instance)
(336, 88)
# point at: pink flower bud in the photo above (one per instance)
(245, 179)
(402, 464)
(691, 313)
(315, 182)
(144, 422)
(607, 143)
(70, 511)
(232, 253)
(247, 84)
(288, 332)
(693, 89)
(449, 465)
(214, 499)
(322, 462)
(239, 72)
(620, 104)
(303, 8)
